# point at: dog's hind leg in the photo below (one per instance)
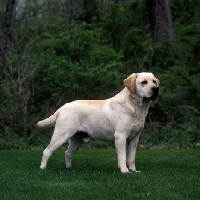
(56, 142)
(75, 143)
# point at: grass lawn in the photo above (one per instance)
(165, 174)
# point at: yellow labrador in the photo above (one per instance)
(120, 119)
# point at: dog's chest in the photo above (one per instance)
(136, 127)
(140, 111)
(137, 120)
(137, 124)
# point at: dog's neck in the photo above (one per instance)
(137, 104)
(137, 99)
(132, 97)
(134, 103)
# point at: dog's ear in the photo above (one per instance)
(130, 83)
(157, 82)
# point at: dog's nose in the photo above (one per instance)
(155, 91)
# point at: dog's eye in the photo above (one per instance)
(144, 82)
(154, 81)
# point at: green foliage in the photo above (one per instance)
(76, 65)
(170, 136)
(57, 58)
(11, 140)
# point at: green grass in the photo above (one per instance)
(165, 174)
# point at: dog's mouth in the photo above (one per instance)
(155, 92)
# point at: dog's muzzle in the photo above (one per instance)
(155, 91)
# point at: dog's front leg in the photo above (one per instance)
(132, 146)
(120, 145)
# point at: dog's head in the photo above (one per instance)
(144, 85)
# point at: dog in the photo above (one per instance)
(120, 119)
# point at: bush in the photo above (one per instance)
(64, 60)
(170, 136)
(76, 65)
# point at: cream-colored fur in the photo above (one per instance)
(119, 119)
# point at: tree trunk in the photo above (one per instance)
(161, 24)
(4, 33)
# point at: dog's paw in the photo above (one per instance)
(68, 164)
(134, 170)
(87, 139)
(137, 171)
(125, 171)
(42, 168)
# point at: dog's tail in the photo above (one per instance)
(48, 121)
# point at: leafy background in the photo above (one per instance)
(56, 56)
